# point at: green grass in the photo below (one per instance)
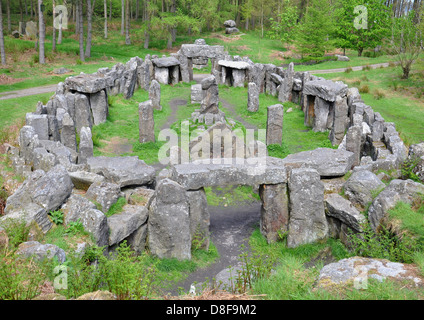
(291, 280)
(117, 207)
(230, 196)
(15, 109)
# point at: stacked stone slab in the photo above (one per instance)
(166, 70)
(230, 27)
(274, 127)
(233, 73)
(146, 122)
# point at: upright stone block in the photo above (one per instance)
(253, 97)
(274, 128)
(154, 95)
(307, 211)
(354, 143)
(99, 107)
(146, 122)
(340, 121)
(275, 211)
(199, 218)
(86, 145)
(169, 222)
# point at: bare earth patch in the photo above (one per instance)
(5, 79)
(225, 38)
(116, 145)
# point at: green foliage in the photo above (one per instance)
(117, 207)
(17, 231)
(284, 27)
(312, 38)
(355, 37)
(74, 228)
(56, 216)
(383, 244)
(408, 168)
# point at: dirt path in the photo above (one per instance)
(373, 66)
(230, 227)
(27, 92)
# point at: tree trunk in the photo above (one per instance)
(81, 30)
(32, 9)
(54, 29)
(90, 10)
(9, 22)
(360, 50)
(146, 32)
(42, 34)
(110, 10)
(26, 8)
(173, 30)
(127, 23)
(2, 51)
(105, 7)
(77, 17)
(122, 17)
(21, 11)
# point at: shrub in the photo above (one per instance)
(408, 168)
(75, 227)
(56, 217)
(379, 94)
(17, 231)
(348, 70)
(364, 89)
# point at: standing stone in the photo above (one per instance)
(210, 95)
(285, 91)
(199, 218)
(322, 110)
(83, 117)
(154, 95)
(196, 93)
(340, 120)
(275, 211)
(274, 128)
(253, 97)
(67, 134)
(146, 122)
(307, 211)
(162, 75)
(239, 77)
(85, 145)
(40, 123)
(28, 141)
(354, 143)
(99, 107)
(169, 222)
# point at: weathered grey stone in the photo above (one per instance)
(362, 186)
(83, 179)
(221, 172)
(239, 65)
(40, 193)
(78, 208)
(127, 222)
(328, 162)
(343, 210)
(86, 147)
(398, 190)
(34, 249)
(325, 89)
(165, 62)
(83, 116)
(322, 112)
(196, 93)
(307, 222)
(231, 30)
(357, 270)
(162, 75)
(154, 95)
(86, 83)
(43, 160)
(354, 143)
(169, 222)
(274, 211)
(274, 128)
(256, 74)
(129, 77)
(124, 171)
(199, 218)
(28, 141)
(285, 91)
(252, 97)
(31, 29)
(104, 193)
(99, 107)
(67, 133)
(210, 99)
(340, 122)
(40, 123)
(146, 122)
(229, 24)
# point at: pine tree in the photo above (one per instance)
(317, 25)
(2, 51)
